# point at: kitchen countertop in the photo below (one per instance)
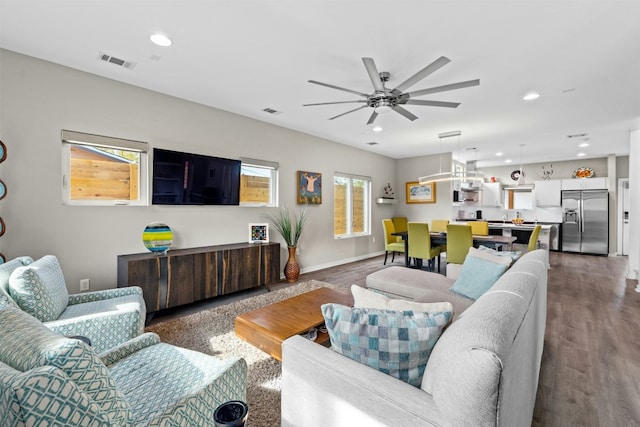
(525, 226)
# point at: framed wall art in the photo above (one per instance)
(309, 188)
(258, 233)
(421, 193)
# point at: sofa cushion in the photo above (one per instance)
(479, 272)
(39, 288)
(5, 272)
(406, 282)
(459, 303)
(364, 298)
(393, 342)
(28, 344)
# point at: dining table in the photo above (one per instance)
(440, 238)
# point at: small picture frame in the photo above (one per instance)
(421, 193)
(258, 233)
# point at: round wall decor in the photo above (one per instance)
(157, 237)
(3, 152)
(3, 190)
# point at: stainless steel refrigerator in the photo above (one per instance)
(585, 225)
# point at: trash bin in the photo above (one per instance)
(231, 414)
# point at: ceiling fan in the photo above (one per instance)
(384, 99)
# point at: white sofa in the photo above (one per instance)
(483, 371)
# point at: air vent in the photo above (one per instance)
(116, 61)
(272, 111)
(577, 135)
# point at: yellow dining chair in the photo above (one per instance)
(533, 239)
(400, 224)
(480, 228)
(459, 240)
(391, 244)
(420, 245)
(440, 226)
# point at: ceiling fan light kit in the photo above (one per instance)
(383, 99)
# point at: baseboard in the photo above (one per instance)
(339, 262)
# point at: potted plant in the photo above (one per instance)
(290, 225)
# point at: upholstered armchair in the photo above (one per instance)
(107, 317)
(49, 379)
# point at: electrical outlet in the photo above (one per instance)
(84, 284)
(373, 240)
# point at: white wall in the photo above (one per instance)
(39, 98)
(634, 210)
(408, 170)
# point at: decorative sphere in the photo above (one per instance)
(157, 237)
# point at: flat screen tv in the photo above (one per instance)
(194, 179)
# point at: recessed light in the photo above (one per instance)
(581, 154)
(500, 153)
(161, 39)
(508, 161)
(377, 129)
(531, 96)
(584, 144)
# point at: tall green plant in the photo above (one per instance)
(289, 224)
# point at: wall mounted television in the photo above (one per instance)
(194, 179)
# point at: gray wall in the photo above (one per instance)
(39, 98)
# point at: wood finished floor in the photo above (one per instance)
(590, 373)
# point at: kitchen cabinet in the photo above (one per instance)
(547, 193)
(598, 183)
(491, 194)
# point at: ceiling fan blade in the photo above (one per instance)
(350, 111)
(408, 114)
(432, 103)
(431, 68)
(452, 86)
(331, 103)
(373, 117)
(338, 87)
(370, 65)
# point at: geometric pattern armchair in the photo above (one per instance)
(49, 379)
(107, 318)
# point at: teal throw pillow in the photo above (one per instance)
(477, 275)
(397, 343)
(39, 289)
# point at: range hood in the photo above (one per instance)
(472, 179)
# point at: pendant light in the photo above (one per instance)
(451, 175)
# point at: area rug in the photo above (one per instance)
(211, 331)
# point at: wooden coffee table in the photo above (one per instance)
(267, 327)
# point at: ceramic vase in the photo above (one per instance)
(292, 268)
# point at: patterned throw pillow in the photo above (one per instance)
(5, 272)
(39, 288)
(479, 272)
(396, 343)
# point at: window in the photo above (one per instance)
(351, 205)
(103, 171)
(258, 183)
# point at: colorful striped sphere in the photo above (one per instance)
(157, 237)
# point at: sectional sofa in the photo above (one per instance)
(482, 371)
